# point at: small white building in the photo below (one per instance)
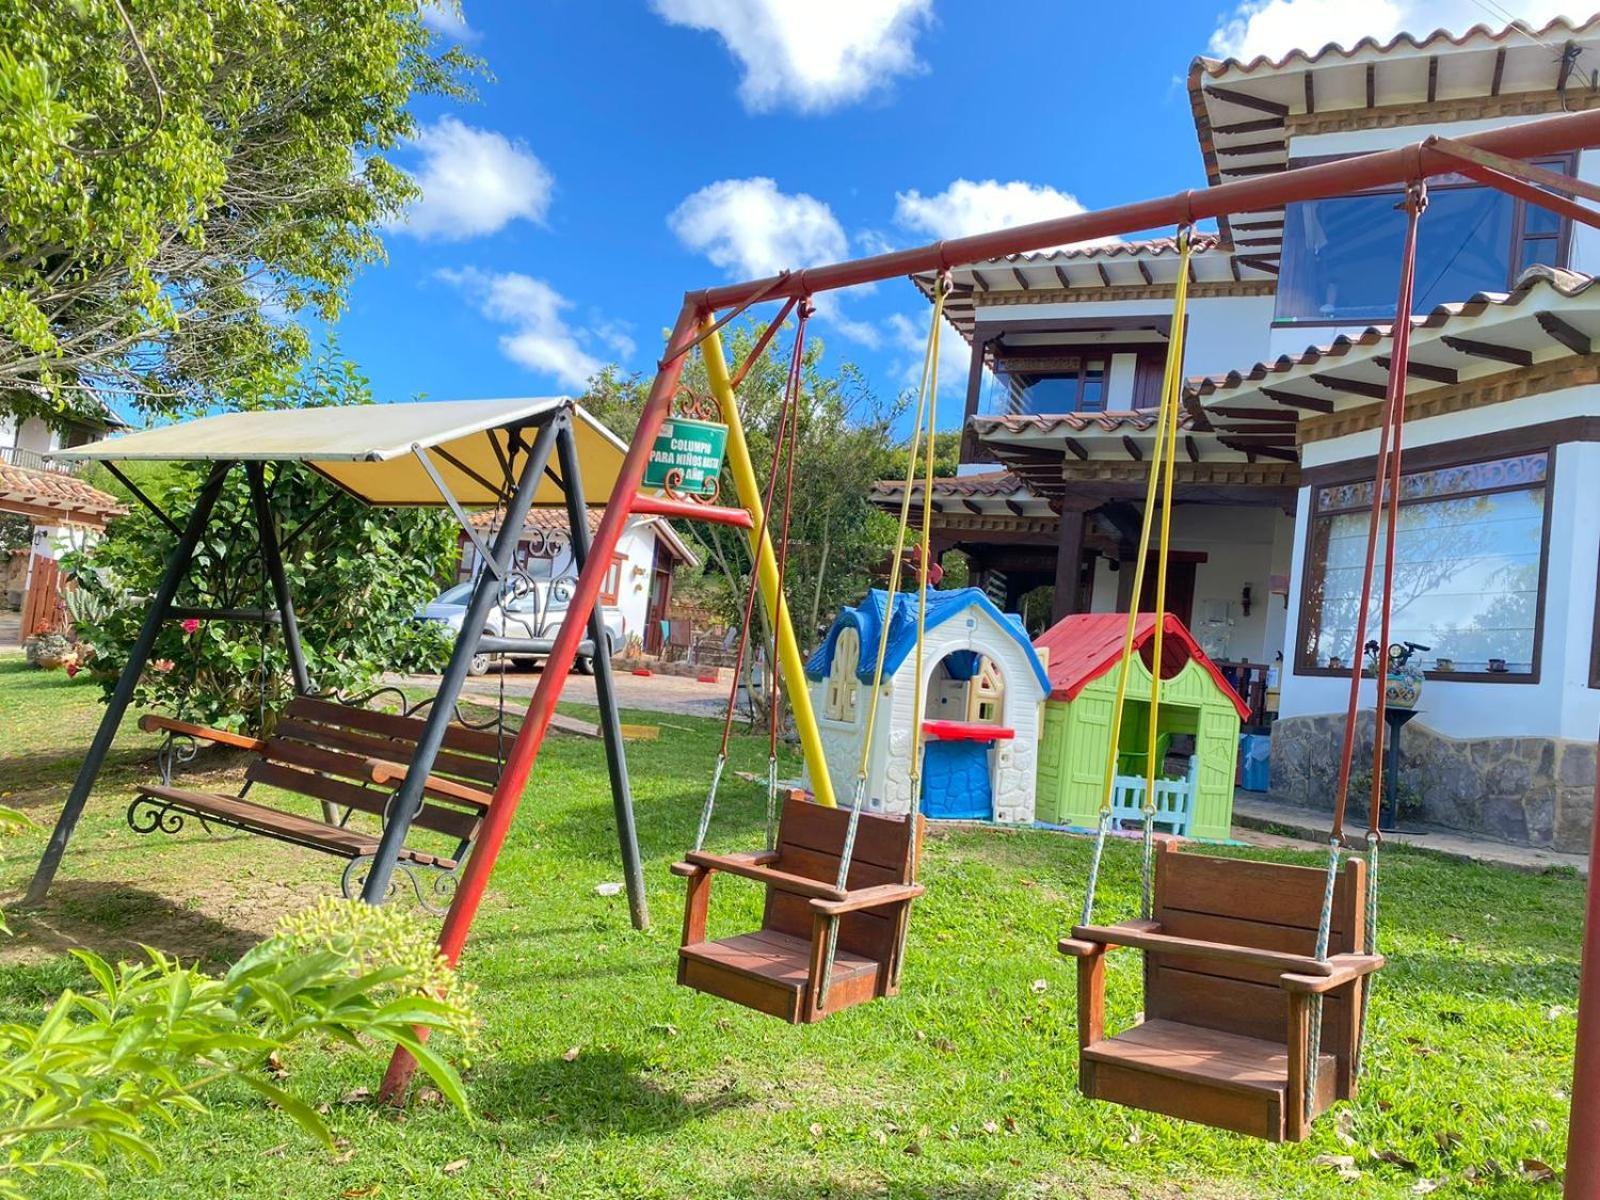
(981, 671)
(639, 583)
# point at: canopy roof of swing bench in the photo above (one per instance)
(367, 449)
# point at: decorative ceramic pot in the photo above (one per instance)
(1402, 690)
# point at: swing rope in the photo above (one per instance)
(1163, 467)
(775, 704)
(926, 414)
(787, 411)
(1385, 485)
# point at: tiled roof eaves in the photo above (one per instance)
(1567, 284)
(54, 489)
(1560, 25)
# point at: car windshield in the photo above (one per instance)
(456, 595)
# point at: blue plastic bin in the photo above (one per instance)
(1255, 756)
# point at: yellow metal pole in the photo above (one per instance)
(790, 663)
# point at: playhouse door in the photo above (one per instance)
(955, 781)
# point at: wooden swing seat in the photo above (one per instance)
(1230, 972)
(779, 969)
(340, 755)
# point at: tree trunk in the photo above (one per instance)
(822, 571)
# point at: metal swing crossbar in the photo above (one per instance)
(1250, 1025)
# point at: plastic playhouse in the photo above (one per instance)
(1196, 703)
(984, 684)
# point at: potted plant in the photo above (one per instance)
(47, 651)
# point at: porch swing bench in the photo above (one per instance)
(344, 757)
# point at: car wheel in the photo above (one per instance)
(478, 664)
(585, 664)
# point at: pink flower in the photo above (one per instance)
(72, 669)
(162, 664)
(191, 625)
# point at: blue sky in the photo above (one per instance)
(628, 150)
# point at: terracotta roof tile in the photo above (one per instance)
(1560, 27)
(1567, 284)
(77, 501)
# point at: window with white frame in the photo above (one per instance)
(843, 685)
(1469, 569)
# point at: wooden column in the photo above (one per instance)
(1069, 564)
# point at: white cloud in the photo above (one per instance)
(448, 19)
(968, 206)
(539, 337)
(749, 228)
(911, 339)
(816, 55)
(1275, 27)
(474, 182)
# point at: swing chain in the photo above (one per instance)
(1374, 839)
(1324, 932)
(1094, 865)
(711, 802)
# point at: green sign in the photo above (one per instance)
(687, 456)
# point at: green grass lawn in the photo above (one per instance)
(962, 1087)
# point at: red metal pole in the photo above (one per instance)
(1583, 1132)
(688, 510)
(1420, 160)
(525, 749)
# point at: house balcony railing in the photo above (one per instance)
(33, 460)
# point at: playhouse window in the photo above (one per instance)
(1469, 569)
(842, 683)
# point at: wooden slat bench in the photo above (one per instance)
(344, 757)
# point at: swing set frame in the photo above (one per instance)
(1491, 157)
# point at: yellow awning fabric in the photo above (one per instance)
(368, 449)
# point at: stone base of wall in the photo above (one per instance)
(1529, 791)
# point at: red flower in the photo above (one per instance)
(190, 625)
(72, 669)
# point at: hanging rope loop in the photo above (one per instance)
(1158, 487)
(785, 436)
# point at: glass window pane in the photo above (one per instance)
(1035, 385)
(1466, 580)
(1538, 250)
(1092, 397)
(1540, 220)
(1341, 256)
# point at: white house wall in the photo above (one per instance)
(889, 770)
(1561, 704)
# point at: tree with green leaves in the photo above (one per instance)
(181, 176)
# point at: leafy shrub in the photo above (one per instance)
(147, 1040)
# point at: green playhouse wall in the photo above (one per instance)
(1072, 745)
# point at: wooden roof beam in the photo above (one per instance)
(1075, 447)
(1572, 338)
(1309, 403)
(1421, 370)
(1356, 387)
(1506, 354)
(1132, 447)
(1246, 100)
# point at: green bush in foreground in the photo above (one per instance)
(148, 1039)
